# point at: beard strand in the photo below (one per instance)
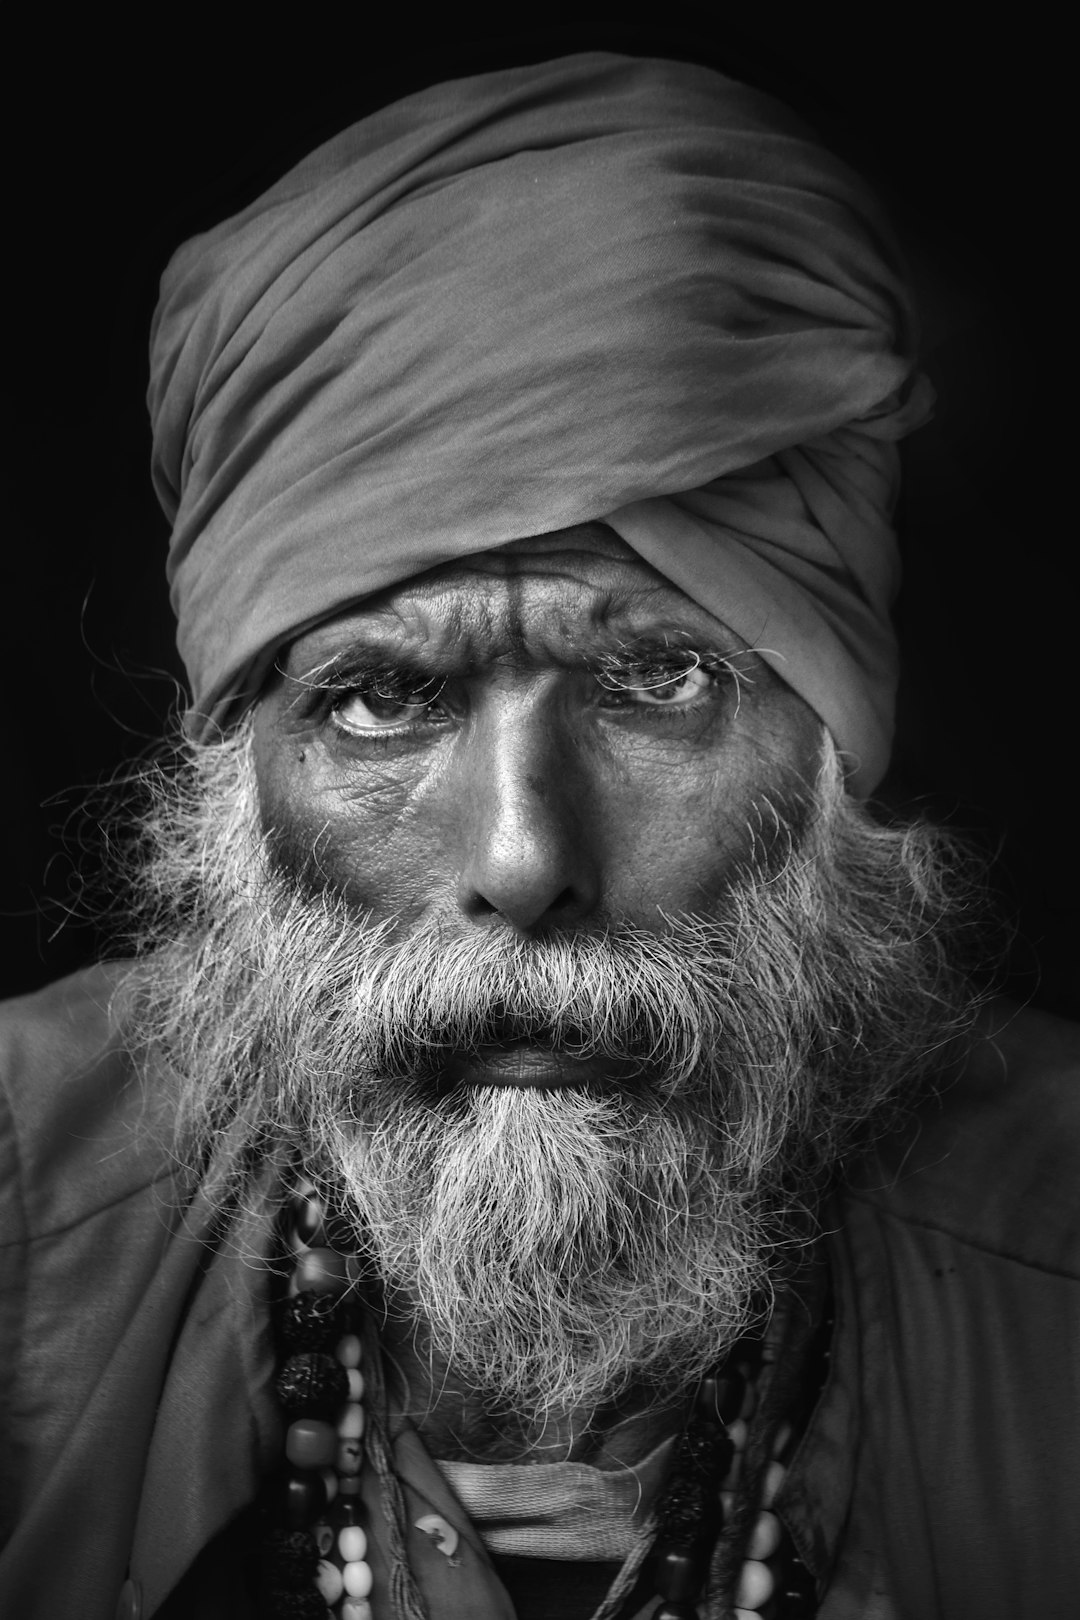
(555, 1245)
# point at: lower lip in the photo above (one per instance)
(537, 1067)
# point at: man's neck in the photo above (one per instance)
(457, 1424)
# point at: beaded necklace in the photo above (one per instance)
(314, 1560)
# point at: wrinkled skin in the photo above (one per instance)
(528, 796)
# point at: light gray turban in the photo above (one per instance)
(598, 288)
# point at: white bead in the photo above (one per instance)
(764, 1537)
(351, 1543)
(351, 1422)
(350, 1457)
(357, 1578)
(740, 1614)
(737, 1433)
(755, 1585)
(329, 1581)
(356, 1609)
(356, 1383)
(348, 1350)
(774, 1478)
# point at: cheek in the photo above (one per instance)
(682, 840)
(353, 832)
(675, 845)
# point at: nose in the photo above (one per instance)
(529, 858)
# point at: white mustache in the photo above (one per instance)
(650, 1001)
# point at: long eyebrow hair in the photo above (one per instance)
(607, 654)
(359, 661)
(370, 668)
(620, 656)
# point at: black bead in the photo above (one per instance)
(312, 1383)
(290, 1559)
(721, 1398)
(723, 1456)
(680, 1574)
(796, 1588)
(283, 1605)
(304, 1498)
(308, 1321)
(784, 1605)
(797, 1582)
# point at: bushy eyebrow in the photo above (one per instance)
(674, 649)
(361, 661)
(617, 633)
(647, 664)
(643, 661)
(366, 667)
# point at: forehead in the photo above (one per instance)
(555, 596)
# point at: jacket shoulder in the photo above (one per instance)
(79, 1129)
(55, 1028)
(992, 1157)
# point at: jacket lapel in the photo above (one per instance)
(217, 1427)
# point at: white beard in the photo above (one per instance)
(555, 1245)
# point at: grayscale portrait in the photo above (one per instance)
(538, 1075)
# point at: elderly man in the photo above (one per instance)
(544, 1157)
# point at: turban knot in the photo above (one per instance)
(595, 289)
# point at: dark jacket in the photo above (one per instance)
(940, 1475)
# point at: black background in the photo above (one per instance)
(126, 142)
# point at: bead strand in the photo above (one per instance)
(772, 1581)
(317, 1562)
(704, 1476)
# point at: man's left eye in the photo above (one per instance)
(672, 689)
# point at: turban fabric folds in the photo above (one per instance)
(597, 288)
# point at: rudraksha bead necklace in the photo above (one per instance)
(315, 1555)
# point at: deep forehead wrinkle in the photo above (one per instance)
(449, 626)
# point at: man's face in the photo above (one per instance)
(570, 972)
(539, 739)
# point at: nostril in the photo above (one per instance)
(564, 901)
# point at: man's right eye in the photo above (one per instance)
(372, 711)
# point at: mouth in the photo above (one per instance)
(528, 1063)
